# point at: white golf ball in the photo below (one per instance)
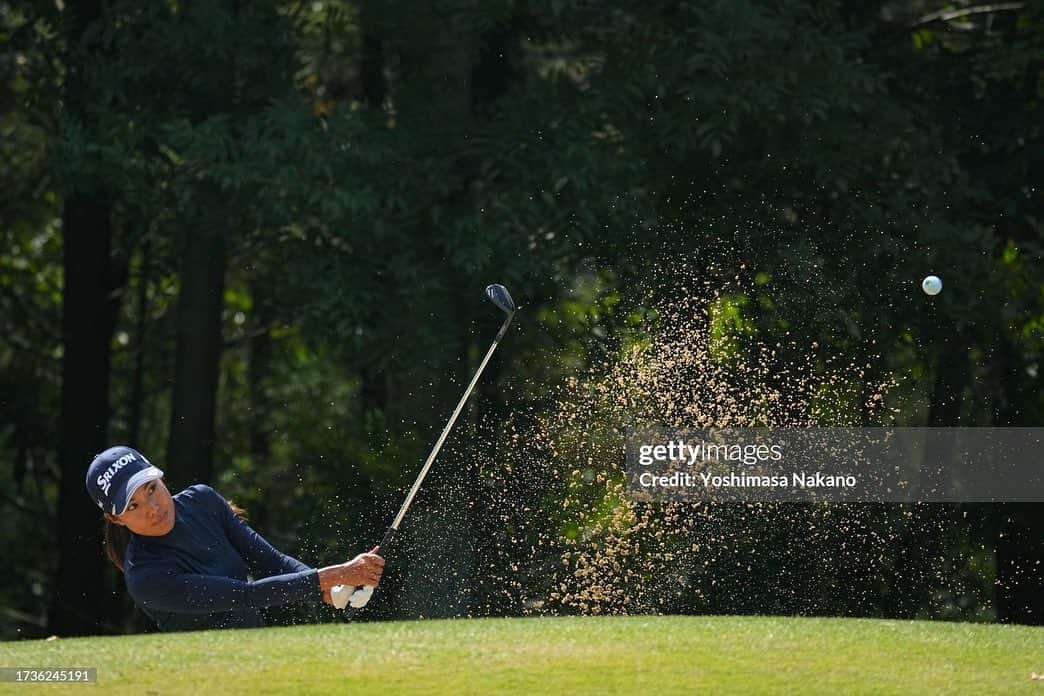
(931, 285)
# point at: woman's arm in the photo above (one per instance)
(256, 550)
(191, 593)
(164, 588)
(258, 554)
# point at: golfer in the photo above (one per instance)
(185, 558)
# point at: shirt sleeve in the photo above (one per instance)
(166, 589)
(255, 550)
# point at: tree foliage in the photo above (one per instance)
(366, 169)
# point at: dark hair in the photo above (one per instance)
(116, 537)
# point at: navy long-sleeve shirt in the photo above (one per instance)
(195, 577)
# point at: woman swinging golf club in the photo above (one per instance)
(185, 557)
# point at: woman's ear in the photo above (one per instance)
(114, 519)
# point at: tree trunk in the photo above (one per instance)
(88, 317)
(1019, 545)
(916, 572)
(258, 367)
(137, 398)
(375, 87)
(190, 451)
(1019, 590)
(442, 96)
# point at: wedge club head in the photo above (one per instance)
(500, 296)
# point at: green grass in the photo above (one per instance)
(627, 655)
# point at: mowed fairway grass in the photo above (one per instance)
(574, 655)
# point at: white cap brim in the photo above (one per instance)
(134, 483)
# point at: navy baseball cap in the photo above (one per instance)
(115, 475)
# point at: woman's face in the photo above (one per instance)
(150, 511)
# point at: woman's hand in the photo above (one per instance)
(367, 568)
(364, 569)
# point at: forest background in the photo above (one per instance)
(250, 240)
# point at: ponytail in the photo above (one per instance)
(117, 537)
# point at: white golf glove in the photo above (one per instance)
(347, 595)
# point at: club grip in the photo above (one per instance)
(389, 535)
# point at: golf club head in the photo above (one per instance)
(500, 296)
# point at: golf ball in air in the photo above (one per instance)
(931, 285)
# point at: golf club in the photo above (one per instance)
(343, 595)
